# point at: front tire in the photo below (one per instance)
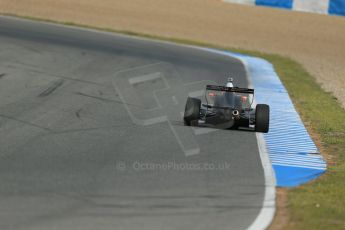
(262, 118)
(192, 111)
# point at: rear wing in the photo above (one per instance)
(229, 89)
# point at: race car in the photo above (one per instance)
(227, 107)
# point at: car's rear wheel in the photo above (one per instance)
(262, 118)
(192, 111)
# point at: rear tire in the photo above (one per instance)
(192, 111)
(262, 118)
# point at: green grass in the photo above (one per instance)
(319, 204)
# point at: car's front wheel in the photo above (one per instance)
(262, 118)
(192, 111)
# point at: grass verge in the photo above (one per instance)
(319, 204)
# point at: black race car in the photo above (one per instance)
(227, 108)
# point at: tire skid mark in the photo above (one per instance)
(51, 88)
(95, 97)
(106, 99)
(58, 132)
(25, 122)
(52, 75)
(78, 113)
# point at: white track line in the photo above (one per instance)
(265, 217)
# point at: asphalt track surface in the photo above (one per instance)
(91, 135)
